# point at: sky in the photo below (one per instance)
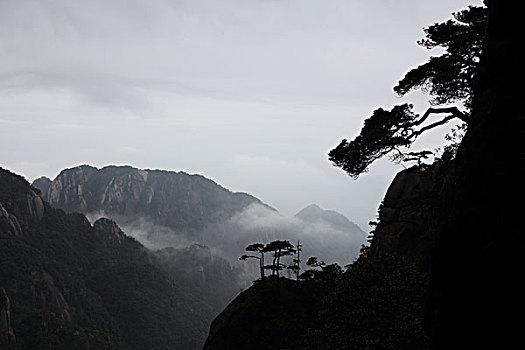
(252, 94)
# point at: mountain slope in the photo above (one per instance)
(68, 284)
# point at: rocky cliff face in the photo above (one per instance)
(409, 213)
(22, 205)
(177, 200)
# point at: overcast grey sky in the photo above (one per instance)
(250, 93)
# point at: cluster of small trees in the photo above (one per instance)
(278, 249)
(281, 248)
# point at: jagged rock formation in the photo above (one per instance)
(20, 208)
(42, 184)
(66, 284)
(183, 202)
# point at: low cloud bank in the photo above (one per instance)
(329, 240)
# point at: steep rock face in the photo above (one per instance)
(42, 184)
(68, 285)
(109, 231)
(176, 200)
(406, 215)
(21, 205)
(69, 191)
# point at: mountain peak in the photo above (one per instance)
(314, 213)
(310, 209)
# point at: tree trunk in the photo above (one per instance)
(261, 264)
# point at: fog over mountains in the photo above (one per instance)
(197, 229)
(174, 209)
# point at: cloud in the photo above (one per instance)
(151, 235)
(270, 50)
(257, 223)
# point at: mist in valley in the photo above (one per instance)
(334, 239)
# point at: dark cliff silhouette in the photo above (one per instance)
(476, 293)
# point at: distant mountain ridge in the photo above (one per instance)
(174, 199)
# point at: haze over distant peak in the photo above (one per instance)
(314, 214)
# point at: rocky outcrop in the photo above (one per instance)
(20, 205)
(43, 184)
(407, 213)
(69, 190)
(109, 231)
